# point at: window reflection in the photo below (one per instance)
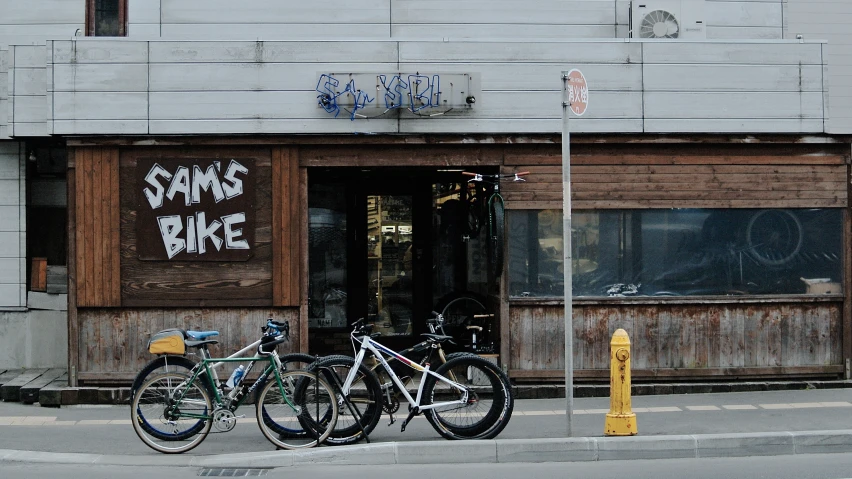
(678, 252)
(327, 299)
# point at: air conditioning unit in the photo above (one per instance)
(676, 19)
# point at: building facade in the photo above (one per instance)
(225, 164)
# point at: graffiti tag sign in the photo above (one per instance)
(195, 209)
(370, 94)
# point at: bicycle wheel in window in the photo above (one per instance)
(486, 394)
(166, 412)
(774, 237)
(365, 397)
(496, 236)
(301, 402)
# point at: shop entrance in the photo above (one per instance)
(390, 245)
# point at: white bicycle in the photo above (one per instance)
(466, 397)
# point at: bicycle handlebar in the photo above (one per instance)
(482, 177)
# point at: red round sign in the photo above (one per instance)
(578, 92)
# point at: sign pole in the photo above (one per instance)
(575, 99)
(566, 256)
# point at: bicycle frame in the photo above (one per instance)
(367, 344)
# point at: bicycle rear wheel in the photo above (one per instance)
(299, 414)
(171, 415)
(486, 394)
(365, 397)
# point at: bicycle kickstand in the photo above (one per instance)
(414, 411)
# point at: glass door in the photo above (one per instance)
(390, 264)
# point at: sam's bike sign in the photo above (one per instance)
(195, 209)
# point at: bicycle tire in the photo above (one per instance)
(781, 244)
(496, 235)
(489, 405)
(155, 397)
(365, 396)
(312, 408)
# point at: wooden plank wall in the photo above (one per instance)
(286, 214)
(713, 176)
(113, 341)
(96, 231)
(694, 340)
(201, 283)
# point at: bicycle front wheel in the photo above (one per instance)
(479, 407)
(365, 398)
(171, 414)
(299, 413)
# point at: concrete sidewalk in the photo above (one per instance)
(669, 426)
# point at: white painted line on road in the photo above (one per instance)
(665, 409)
(94, 422)
(737, 407)
(800, 405)
(776, 406)
(703, 408)
(837, 404)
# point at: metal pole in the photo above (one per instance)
(566, 257)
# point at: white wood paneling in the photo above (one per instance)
(521, 52)
(496, 31)
(276, 31)
(10, 244)
(29, 56)
(273, 52)
(81, 77)
(29, 81)
(565, 12)
(250, 76)
(734, 53)
(101, 127)
(98, 50)
(43, 12)
(10, 271)
(326, 126)
(734, 126)
(745, 33)
(29, 109)
(9, 217)
(743, 14)
(144, 11)
(9, 189)
(790, 78)
(724, 105)
(828, 20)
(274, 11)
(100, 105)
(22, 130)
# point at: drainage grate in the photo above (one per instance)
(232, 472)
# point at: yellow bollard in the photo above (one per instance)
(620, 421)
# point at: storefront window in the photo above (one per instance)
(678, 252)
(327, 301)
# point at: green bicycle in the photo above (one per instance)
(174, 412)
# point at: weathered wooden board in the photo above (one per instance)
(702, 340)
(96, 232)
(113, 342)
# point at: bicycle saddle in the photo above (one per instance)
(200, 335)
(440, 338)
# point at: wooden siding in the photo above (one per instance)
(96, 223)
(113, 342)
(714, 177)
(201, 283)
(286, 221)
(681, 340)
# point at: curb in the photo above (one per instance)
(486, 451)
